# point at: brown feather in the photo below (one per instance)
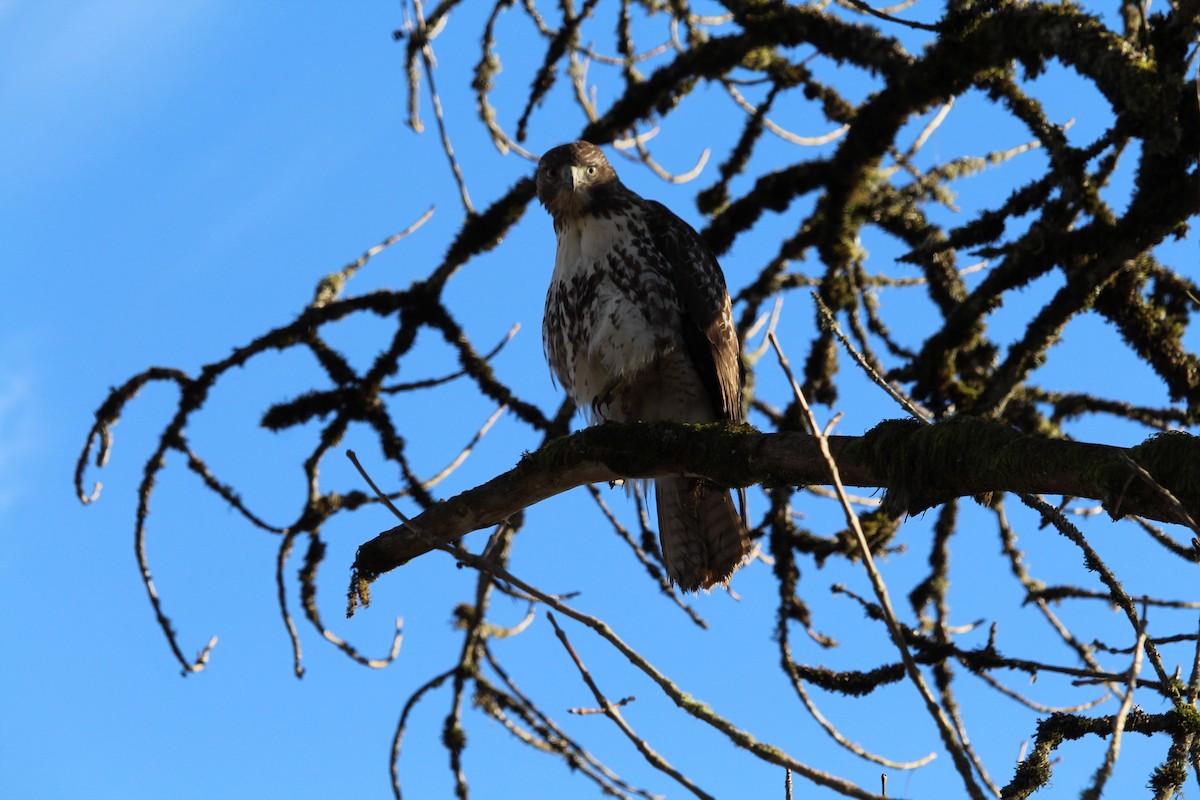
(702, 535)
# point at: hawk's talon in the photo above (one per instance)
(599, 402)
(605, 398)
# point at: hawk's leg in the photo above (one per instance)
(605, 398)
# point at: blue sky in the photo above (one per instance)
(175, 178)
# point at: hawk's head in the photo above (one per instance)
(575, 179)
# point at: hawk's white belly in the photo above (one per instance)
(611, 313)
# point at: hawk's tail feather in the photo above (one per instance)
(703, 537)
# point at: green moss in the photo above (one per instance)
(1184, 720)
(1173, 461)
(1173, 458)
(759, 59)
(915, 456)
(1168, 777)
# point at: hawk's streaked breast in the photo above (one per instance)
(638, 327)
(611, 311)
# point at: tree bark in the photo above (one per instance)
(918, 466)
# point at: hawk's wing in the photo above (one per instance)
(708, 331)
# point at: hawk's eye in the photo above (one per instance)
(591, 170)
(549, 172)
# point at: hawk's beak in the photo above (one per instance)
(573, 177)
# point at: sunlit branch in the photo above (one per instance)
(778, 130)
(426, 37)
(1041, 708)
(950, 737)
(613, 712)
(331, 286)
(906, 402)
(669, 177)
(837, 736)
(1094, 563)
(308, 596)
(1114, 743)
(584, 759)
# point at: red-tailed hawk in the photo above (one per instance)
(638, 328)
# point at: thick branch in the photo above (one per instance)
(919, 466)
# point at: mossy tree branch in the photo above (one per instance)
(918, 466)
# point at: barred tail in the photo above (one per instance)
(703, 539)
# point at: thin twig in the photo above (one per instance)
(592, 765)
(838, 737)
(862, 6)
(1118, 726)
(1040, 707)
(906, 402)
(1163, 491)
(398, 736)
(612, 711)
(689, 704)
(285, 549)
(949, 737)
(670, 177)
(331, 286)
(653, 569)
(778, 130)
(445, 472)
(429, 383)
(1094, 563)
(428, 59)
